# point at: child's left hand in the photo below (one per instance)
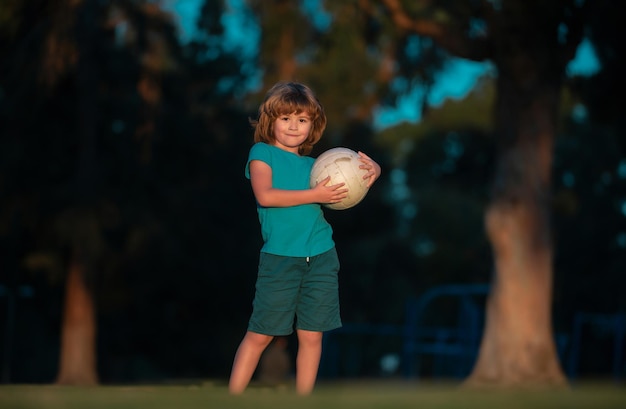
(373, 168)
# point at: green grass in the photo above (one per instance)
(340, 395)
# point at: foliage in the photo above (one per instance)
(126, 168)
(137, 158)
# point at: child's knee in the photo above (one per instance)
(309, 337)
(258, 340)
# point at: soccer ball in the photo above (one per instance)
(342, 165)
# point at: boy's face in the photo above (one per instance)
(291, 130)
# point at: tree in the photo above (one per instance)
(530, 44)
(129, 137)
(73, 71)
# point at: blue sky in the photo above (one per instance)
(454, 81)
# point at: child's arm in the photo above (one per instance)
(267, 196)
(372, 167)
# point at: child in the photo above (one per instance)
(298, 265)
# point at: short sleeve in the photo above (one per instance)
(259, 151)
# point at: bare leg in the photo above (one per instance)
(308, 360)
(246, 360)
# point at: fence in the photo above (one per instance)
(440, 348)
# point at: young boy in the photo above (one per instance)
(298, 265)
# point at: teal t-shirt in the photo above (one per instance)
(296, 231)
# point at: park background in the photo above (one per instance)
(129, 233)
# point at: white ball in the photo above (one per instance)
(342, 165)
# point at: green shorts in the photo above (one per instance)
(304, 290)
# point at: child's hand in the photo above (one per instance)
(330, 194)
(373, 169)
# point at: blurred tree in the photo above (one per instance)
(530, 45)
(126, 137)
(59, 50)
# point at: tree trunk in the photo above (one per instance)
(77, 364)
(518, 347)
(78, 333)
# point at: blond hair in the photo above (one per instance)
(286, 98)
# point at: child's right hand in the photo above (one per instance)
(330, 194)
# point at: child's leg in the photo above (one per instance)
(308, 360)
(246, 360)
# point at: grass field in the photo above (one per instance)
(341, 395)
